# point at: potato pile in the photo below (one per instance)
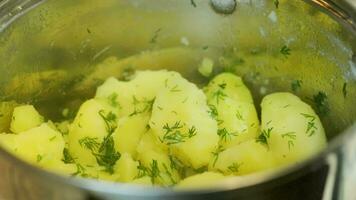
(160, 129)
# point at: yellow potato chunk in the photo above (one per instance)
(154, 157)
(232, 106)
(243, 158)
(24, 118)
(137, 95)
(89, 128)
(129, 132)
(126, 167)
(290, 128)
(180, 119)
(42, 146)
(206, 179)
(146, 180)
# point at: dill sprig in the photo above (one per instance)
(311, 128)
(213, 111)
(239, 115)
(234, 167)
(152, 171)
(174, 134)
(219, 95)
(104, 152)
(344, 90)
(291, 137)
(177, 165)
(296, 85)
(80, 171)
(285, 50)
(67, 158)
(216, 154)
(264, 136)
(226, 135)
(113, 100)
(142, 106)
(276, 3)
(321, 103)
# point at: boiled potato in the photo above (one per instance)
(232, 106)
(42, 146)
(137, 95)
(180, 119)
(154, 156)
(24, 118)
(126, 167)
(206, 179)
(89, 129)
(290, 128)
(244, 158)
(129, 132)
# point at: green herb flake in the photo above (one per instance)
(276, 3)
(192, 2)
(113, 100)
(219, 95)
(311, 128)
(142, 106)
(291, 137)
(67, 158)
(296, 85)
(344, 90)
(39, 158)
(174, 134)
(52, 138)
(239, 115)
(264, 136)
(216, 154)
(213, 111)
(285, 50)
(321, 103)
(155, 36)
(226, 135)
(234, 167)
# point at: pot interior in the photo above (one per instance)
(52, 55)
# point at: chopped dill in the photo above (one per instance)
(291, 137)
(225, 135)
(344, 90)
(213, 111)
(112, 99)
(192, 2)
(276, 3)
(216, 154)
(321, 103)
(152, 171)
(67, 158)
(264, 136)
(174, 135)
(238, 115)
(296, 85)
(285, 50)
(142, 106)
(39, 158)
(311, 128)
(175, 89)
(155, 36)
(219, 95)
(234, 167)
(52, 138)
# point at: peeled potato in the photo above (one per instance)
(126, 167)
(206, 179)
(137, 94)
(89, 128)
(24, 118)
(42, 146)
(129, 132)
(244, 158)
(180, 119)
(232, 106)
(290, 128)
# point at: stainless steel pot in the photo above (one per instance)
(49, 57)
